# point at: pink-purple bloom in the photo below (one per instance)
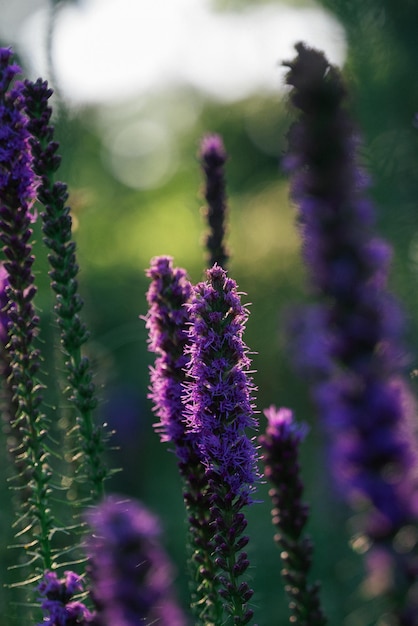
(168, 294)
(219, 410)
(219, 394)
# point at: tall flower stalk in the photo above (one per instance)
(357, 319)
(280, 445)
(167, 322)
(57, 223)
(17, 195)
(212, 157)
(219, 411)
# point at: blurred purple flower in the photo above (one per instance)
(130, 575)
(57, 603)
(357, 321)
(212, 156)
(280, 445)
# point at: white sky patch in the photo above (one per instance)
(110, 50)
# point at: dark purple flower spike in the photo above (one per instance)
(130, 574)
(17, 196)
(347, 265)
(212, 157)
(168, 322)
(219, 411)
(280, 445)
(357, 320)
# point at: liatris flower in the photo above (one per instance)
(280, 445)
(57, 600)
(130, 575)
(212, 157)
(64, 269)
(358, 321)
(348, 268)
(219, 410)
(17, 195)
(167, 323)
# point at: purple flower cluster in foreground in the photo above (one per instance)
(201, 390)
(58, 603)
(219, 402)
(167, 319)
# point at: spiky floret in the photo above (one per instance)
(167, 322)
(219, 411)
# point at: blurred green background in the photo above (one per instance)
(136, 193)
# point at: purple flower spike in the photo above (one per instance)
(280, 445)
(167, 322)
(131, 577)
(357, 319)
(213, 157)
(17, 195)
(57, 600)
(219, 410)
(220, 405)
(17, 180)
(356, 383)
(167, 319)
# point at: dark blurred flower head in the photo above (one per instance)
(130, 573)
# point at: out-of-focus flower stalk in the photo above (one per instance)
(280, 445)
(354, 358)
(130, 574)
(212, 157)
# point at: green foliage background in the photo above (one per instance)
(119, 229)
